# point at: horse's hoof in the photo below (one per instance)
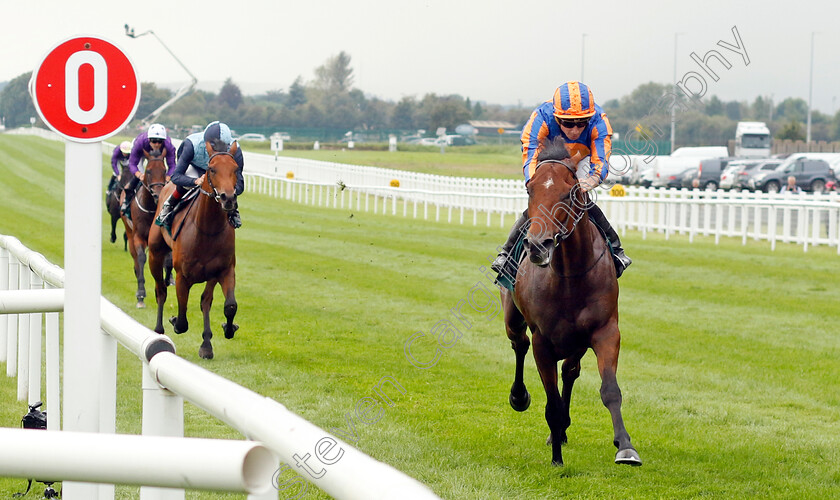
(113, 239)
(520, 403)
(557, 463)
(628, 456)
(174, 322)
(205, 353)
(141, 304)
(159, 330)
(229, 334)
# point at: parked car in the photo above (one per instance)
(458, 140)
(730, 174)
(751, 172)
(688, 178)
(709, 173)
(674, 180)
(251, 137)
(811, 175)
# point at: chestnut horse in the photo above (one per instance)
(113, 200)
(566, 292)
(143, 208)
(203, 248)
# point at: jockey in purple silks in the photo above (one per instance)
(156, 142)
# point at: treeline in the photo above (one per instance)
(329, 103)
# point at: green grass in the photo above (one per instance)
(728, 369)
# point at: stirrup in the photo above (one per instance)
(622, 262)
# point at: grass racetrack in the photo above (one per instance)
(729, 367)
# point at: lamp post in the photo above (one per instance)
(129, 32)
(582, 52)
(673, 108)
(810, 91)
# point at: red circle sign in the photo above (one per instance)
(85, 89)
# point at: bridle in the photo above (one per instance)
(148, 187)
(560, 237)
(215, 194)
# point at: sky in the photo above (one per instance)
(508, 52)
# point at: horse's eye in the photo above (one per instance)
(212, 170)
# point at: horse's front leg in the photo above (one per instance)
(516, 328)
(206, 349)
(606, 343)
(140, 272)
(156, 267)
(228, 283)
(182, 290)
(569, 372)
(547, 366)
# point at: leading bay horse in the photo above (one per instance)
(566, 292)
(143, 208)
(203, 248)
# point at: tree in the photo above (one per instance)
(792, 130)
(402, 115)
(16, 105)
(792, 109)
(733, 110)
(714, 106)
(297, 94)
(151, 98)
(335, 75)
(230, 95)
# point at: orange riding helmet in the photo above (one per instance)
(572, 101)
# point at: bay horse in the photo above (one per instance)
(203, 248)
(143, 208)
(566, 293)
(113, 200)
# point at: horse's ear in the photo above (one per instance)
(209, 146)
(577, 157)
(234, 147)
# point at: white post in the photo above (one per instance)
(163, 415)
(84, 346)
(4, 285)
(34, 383)
(23, 339)
(53, 350)
(11, 341)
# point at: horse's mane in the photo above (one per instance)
(554, 149)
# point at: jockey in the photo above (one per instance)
(193, 161)
(572, 114)
(118, 158)
(155, 142)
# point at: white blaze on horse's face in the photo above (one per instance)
(550, 182)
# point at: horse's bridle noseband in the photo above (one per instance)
(560, 237)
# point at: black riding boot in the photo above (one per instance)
(499, 262)
(234, 218)
(129, 190)
(167, 212)
(621, 260)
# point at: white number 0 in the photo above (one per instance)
(100, 87)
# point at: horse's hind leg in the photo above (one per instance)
(605, 343)
(206, 349)
(228, 284)
(515, 327)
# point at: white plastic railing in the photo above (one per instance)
(805, 219)
(30, 286)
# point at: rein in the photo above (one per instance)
(154, 196)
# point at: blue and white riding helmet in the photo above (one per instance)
(218, 131)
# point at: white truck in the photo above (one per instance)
(752, 140)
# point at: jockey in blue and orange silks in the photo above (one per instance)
(573, 115)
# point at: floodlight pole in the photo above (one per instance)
(186, 89)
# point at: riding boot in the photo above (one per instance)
(499, 262)
(622, 261)
(234, 218)
(167, 212)
(129, 190)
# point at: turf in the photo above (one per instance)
(729, 364)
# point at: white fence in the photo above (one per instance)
(31, 298)
(805, 219)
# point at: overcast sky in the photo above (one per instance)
(496, 51)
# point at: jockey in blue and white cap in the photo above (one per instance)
(192, 163)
